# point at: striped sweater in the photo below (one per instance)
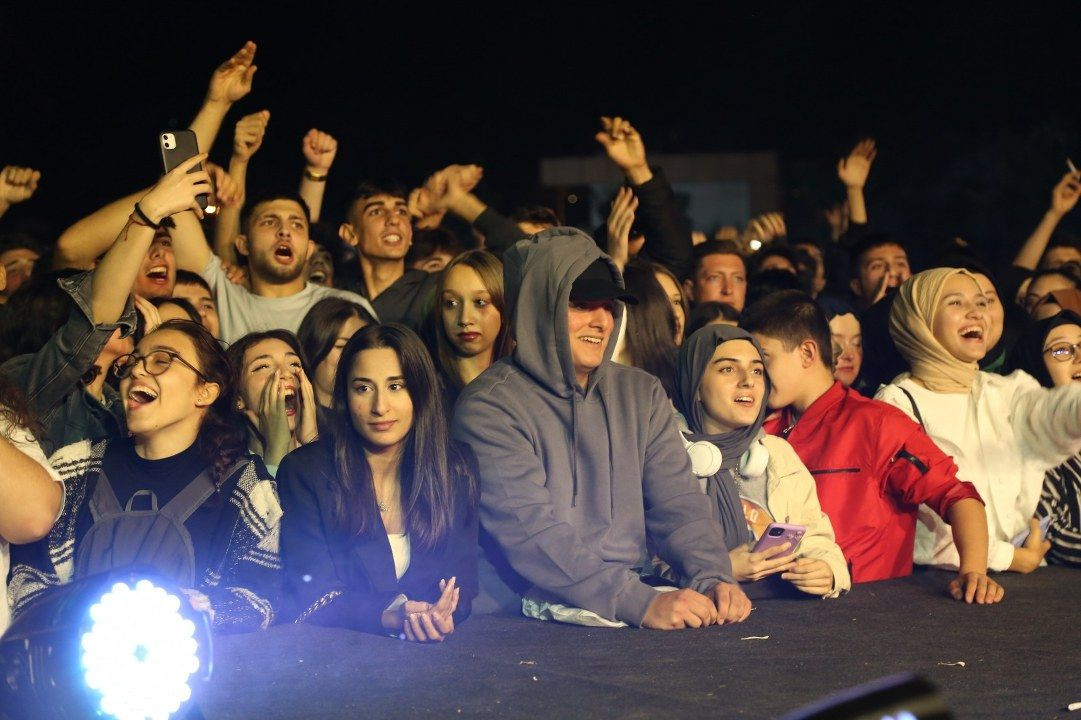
(1061, 501)
(241, 576)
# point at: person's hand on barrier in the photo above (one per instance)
(625, 148)
(151, 316)
(425, 622)
(620, 220)
(1064, 196)
(232, 79)
(975, 587)
(750, 566)
(17, 184)
(177, 191)
(1029, 556)
(732, 603)
(854, 169)
(678, 609)
(319, 150)
(248, 134)
(813, 577)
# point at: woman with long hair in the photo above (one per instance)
(1004, 432)
(180, 495)
(649, 339)
(274, 394)
(323, 333)
(470, 329)
(380, 532)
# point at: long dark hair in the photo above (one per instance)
(430, 464)
(651, 325)
(220, 440)
(490, 270)
(320, 327)
(15, 408)
(236, 361)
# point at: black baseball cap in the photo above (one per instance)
(596, 283)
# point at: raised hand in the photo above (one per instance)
(232, 79)
(177, 191)
(624, 146)
(319, 149)
(450, 184)
(227, 192)
(620, 220)
(17, 184)
(1065, 194)
(308, 426)
(853, 170)
(766, 228)
(249, 133)
(151, 316)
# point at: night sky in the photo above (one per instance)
(975, 111)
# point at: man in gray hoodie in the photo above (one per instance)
(580, 457)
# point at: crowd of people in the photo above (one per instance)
(434, 408)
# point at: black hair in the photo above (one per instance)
(181, 303)
(705, 313)
(34, 313)
(431, 465)
(428, 242)
(776, 249)
(270, 196)
(370, 188)
(651, 325)
(187, 277)
(714, 247)
(320, 327)
(790, 316)
(536, 214)
(865, 245)
(767, 282)
(20, 241)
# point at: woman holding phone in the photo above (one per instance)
(755, 481)
(380, 529)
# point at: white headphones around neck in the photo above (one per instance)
(705, 457)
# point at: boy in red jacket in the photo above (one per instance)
(873, 466)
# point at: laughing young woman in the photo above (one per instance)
(380, 531)
(1004, 432)
(274, 394)
(186, 459)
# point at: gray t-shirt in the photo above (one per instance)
(242, 312)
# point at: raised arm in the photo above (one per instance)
(1063, 198)
(17, 184)
(852, 171)
(230, 82)
(247, 139)
(84, 242)
(319, 150)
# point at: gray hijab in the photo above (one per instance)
(694, 357)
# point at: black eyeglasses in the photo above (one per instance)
(155, 363)
(1063, 352)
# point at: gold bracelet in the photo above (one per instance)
(315, 177)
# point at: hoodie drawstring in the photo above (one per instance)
(574, 447)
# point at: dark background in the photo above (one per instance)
(974, 109)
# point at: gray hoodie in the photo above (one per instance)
(572, 478)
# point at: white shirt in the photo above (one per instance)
(1004, 435)
(25, 442)
(400, 549)
(242, 312)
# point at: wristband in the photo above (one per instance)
(315, 177)
(142, 216)
(134, 220)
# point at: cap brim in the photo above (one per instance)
(597, 290)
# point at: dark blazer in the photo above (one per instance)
(318, 559)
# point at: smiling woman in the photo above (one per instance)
(1004, 433)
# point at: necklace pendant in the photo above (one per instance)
(383, 508)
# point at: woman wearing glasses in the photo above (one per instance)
(180, 495)
(1004, 432)
(1050, 351)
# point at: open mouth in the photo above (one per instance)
(292, 404)
(591, 340)
(744, 401)
(1076, 375)
(972, 333)
(318, 276)
(140, 396)
(392, 239)
(284, 253)
(158, 274)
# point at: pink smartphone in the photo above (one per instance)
(778, 534)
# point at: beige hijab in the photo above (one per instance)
(911, 320)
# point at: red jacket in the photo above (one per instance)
(873, 467)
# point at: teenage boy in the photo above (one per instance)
(580, 457)
(872, 465)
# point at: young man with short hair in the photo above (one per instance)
(195, 290)
(718, 274)
(879, 264)
(277, 244)
(580, 458)
(872, 465)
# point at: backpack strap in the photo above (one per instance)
(915, 407)
(197, 492)
(103, 502)
(151, 498)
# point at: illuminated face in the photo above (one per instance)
(848, 340)
(960, 320)
(786, 371)
(156, 403)
(379, 401)
(589, 325)
(202, 301)
(721, 278)
(470, 321)
(320, 267)
(261, 361)
(157, 276)
(675, 296)
(1061, 354)
(732, 387)
(887, 263)
(1041, 287)
(277, 243)
(381, 228)
(996, 314)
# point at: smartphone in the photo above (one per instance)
(779, 534)
(176, 147)
(1021, 537)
